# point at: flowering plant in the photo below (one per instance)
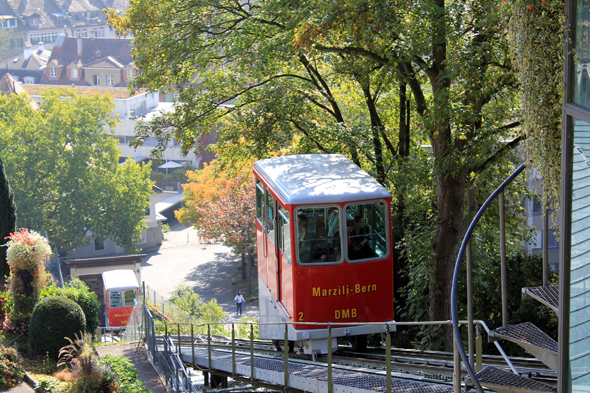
(26, 248)
(26, 254)
(10, 371)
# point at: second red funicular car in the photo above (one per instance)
(323, 234)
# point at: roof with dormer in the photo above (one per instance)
(96, 53)
(76, 6)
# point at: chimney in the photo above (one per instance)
(28, 50)
(41, 47)
(79, 45)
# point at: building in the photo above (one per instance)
(80, 61)
(43, 20)
(29, 66)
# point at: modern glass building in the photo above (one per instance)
(574, 296)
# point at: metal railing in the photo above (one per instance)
(164, 341)
(464, 245)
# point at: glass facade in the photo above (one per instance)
(579, 304)
(581, 76)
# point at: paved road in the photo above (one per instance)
(207, 268)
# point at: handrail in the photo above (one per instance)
(466, 239)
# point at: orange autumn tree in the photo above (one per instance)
(221, 206)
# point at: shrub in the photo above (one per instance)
(125, 374)
(78, 291)
(10, 370)
(54, 318)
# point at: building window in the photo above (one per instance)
(29, 80)
(74, 73)
(98, 245)
(53, 72)
(96, 80)
(110, 80)
(34, 20)
(98, 33)
(82, 33)
(8, 23)
(34, 38)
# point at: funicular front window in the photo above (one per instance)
(318, 234)
(125, 298)
(365, 228)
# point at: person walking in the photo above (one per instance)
(239, 299)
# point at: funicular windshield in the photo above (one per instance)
(365, 229)
(123, 298)
(318, 234)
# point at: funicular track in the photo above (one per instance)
(258, 363)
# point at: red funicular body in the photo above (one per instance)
(323, 232)
(120, 296)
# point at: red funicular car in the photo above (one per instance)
(120, 296)
(323, 233)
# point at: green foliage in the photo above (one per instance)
(64, 143)
(187, 300)
(125, 374)
(10, 370)
(46, 386)
(7, 221)
(243, 328)
(79, 292)
(165, 228)
(54, 318)
(89, 377)
(537, 37)
(330, 77)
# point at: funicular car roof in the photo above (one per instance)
(119, 279)
(319, 178)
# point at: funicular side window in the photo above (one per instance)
(284, 233)
(318, 235)
(365, 228)
(259, 201)
(270, 216)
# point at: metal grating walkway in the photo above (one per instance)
(307, 376)
(549, 296)
(504, 382)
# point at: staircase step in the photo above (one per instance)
(549, 296)
(532, 339)
(502, 381)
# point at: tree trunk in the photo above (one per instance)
(450, 197)
(244, 278)
(250, 275)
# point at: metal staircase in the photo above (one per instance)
(549, 296)
(526, 335)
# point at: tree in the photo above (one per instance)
(187, 300)
(223, 208)
(324, 76)
(64, 170)
(7, 220)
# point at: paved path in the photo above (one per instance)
(207, 268)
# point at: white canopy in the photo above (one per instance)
(171, 164)
(119, 279)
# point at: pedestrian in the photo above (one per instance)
(239, 299)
